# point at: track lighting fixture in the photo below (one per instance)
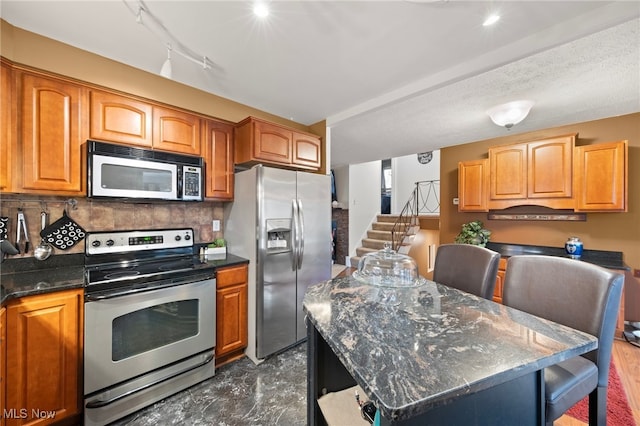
(145, 18)
(165, 71)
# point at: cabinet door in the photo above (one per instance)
(44, 346)
(508, 172)
(176, 131)
(473, 186)
(307, 151)
(231, 310)
(550, 168)
(6, 133)
(272, 143)
(218, 156)
(51, 137)
(601, 177)
(3, 365)
(502, 269)
(120, 119)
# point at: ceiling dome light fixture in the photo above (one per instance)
(165, 71)
(510, 114)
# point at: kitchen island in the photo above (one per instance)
(431, 354)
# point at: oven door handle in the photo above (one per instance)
(170, 283)
(104, 402)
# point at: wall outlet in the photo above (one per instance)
(216, 225)
(456, 201)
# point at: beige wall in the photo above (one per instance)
(30, 49)
(601, 231)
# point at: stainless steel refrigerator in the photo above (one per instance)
(281, 221)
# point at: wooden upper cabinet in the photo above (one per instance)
(601, 177)
(473, 186)
(176, 131)
(272, 143)
(306, 150)
(537, 173)
(508, 172)
(6, 128)
(218, 156)
(258, 141)
(51, 136)
(120, 119)
(550, 168)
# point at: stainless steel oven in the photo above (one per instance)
(150, 318)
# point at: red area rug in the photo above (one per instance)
(618, 409)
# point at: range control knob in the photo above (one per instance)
(110, 243)
(95, 243)
(187, 237)
(178, 237)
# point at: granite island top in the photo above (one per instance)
(28, 276)
(412, 349)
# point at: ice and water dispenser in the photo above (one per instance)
(278, 235)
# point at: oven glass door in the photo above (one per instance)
(129, 335)
(130, 178)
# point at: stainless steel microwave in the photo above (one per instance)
(123, 172)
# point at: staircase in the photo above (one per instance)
(382, 231)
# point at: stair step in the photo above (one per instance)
(361, 251)
(374, 244)
(379, 235)
(354, 260)
(382, 226)
(387, 218)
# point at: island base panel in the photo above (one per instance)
(519, 401)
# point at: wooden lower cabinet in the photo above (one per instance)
(44, 358)
(3, 365)
(231, 313)
(497, 292)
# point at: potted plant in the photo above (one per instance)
(217, 249)
(473, 233)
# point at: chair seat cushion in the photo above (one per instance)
(568, 382)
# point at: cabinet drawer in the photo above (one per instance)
(235, 275)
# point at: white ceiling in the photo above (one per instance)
(391, 78)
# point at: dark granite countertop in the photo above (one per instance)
(411, 349)
(606, 259)
(28, 276)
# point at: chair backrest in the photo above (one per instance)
(468, 268)
(577, 294)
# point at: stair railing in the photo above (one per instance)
(424, 199)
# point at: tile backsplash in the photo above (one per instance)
(98, 215)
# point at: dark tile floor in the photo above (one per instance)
(241, 393)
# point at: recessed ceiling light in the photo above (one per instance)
(260, 10)
(492, 19)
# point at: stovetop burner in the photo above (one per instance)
(141, 259)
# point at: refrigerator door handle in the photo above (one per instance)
(294, 237)
(301, 233)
